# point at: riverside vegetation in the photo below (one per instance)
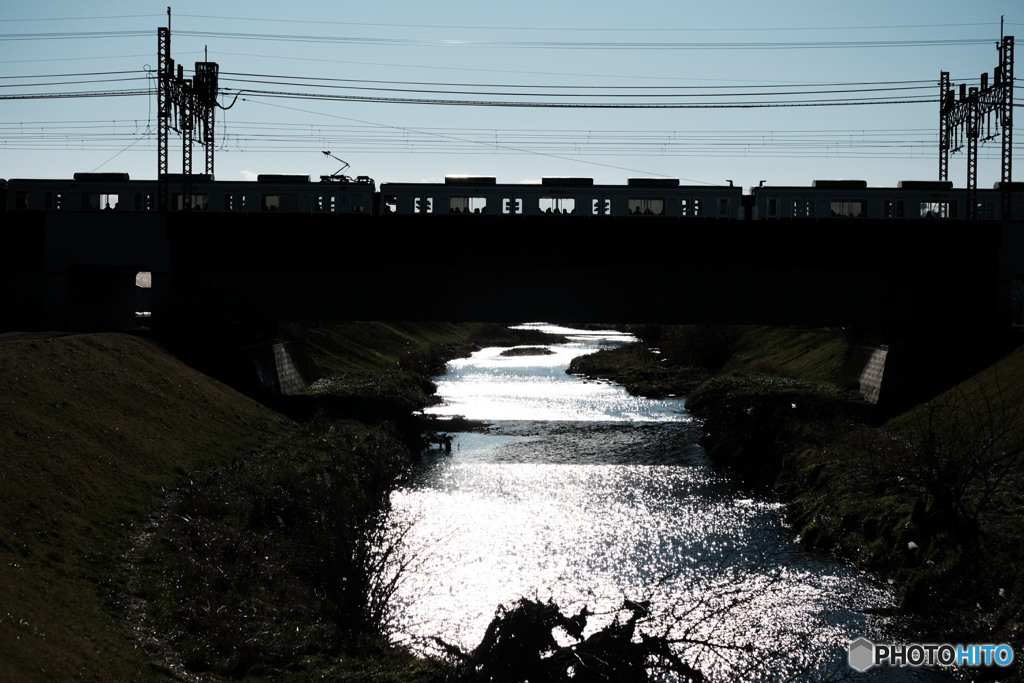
(928, 499)
(155, 522)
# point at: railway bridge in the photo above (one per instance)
(77, 271)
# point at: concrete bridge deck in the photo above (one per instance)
(71, 271)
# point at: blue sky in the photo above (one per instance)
(528, 51)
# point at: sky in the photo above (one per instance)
(480, 54)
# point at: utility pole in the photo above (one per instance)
(165, 66)
(184, 105)
(969, 120)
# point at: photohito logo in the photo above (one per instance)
(863, 654)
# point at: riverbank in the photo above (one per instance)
(97, 431)
(929, 502)
(94, 430)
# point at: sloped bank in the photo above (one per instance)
(94, 429)
(115, 455)
(279, 565)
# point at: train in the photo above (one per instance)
(465, 196)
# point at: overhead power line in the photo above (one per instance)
(647, 29)
(75, 35)
(589, 45)
(583, 105)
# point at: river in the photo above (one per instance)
(577, 492)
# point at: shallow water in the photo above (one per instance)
(583, 494)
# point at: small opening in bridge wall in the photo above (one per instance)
(143, 294)
(559, 205)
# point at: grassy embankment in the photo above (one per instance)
(93, 430)
(97, 430)
(930, 501)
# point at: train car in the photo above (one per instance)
(116, 192)
(909, 200)
(475, 195)
(645, 197)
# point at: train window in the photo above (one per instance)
(935, 210)
(559, 205)
(887, 208)
(698, 207)
(723, 207)
(685, 208)
(901, 208)
(48, 201)
(467, 205)
(843, 208)
(241, 202)
(773, 207)
(318, 203)
(809, 212)
(512, 206)
(798, 208)
(390, 204)
(990, 210)
(21, 199)
(423, 205)
(229, 202)
(91, 201)
(646, 207)
(601, 206)
(357, 204)
(200, 202)
(270, 202)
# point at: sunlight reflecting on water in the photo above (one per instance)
(489, 386)
(580, 493)
(596, 534)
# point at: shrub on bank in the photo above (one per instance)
(751, 419)
(281, 564)
(639, 370)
